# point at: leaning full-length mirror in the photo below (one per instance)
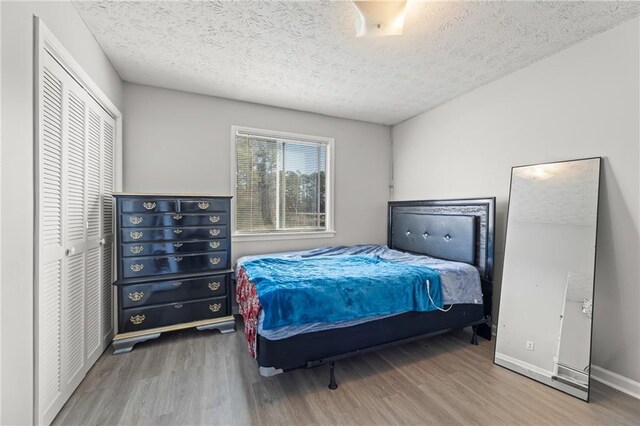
(544, 323)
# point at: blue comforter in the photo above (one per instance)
(295, 291)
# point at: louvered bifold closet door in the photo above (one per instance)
(106, 261)
(100, 186)
(51, 247)
(73, 338)
(74, 293)
(93, 281)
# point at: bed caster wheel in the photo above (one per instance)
(332, 376)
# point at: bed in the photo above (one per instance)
(454, 238)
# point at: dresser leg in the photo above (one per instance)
(224, 327)
(121, 346)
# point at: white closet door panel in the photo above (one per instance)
(74, 321)
(108, 174)
(92, 303)
(75, 173)
(74, 275)
(106, 307)
(93, 174)
(108, 185)
(50, 169)
(50, 244)
(95, 338)
(50, 317)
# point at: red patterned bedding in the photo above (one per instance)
(248, 306)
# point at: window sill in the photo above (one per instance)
(274, 236)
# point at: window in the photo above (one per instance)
(282, 183)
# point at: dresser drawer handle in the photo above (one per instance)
(177, 245)
(214, 286)
(177, 231)
(177, 306)
(215, 307)
(177, 283)
(136, 220)
(136, 249)
(214, 244)
(214, 232)
(203, 205)
(214, 219)
(136, 296)
(137, 267)
(178, 258)
(149, 206)
(214, 260)
(137, 319)
(177, 216)
(136, 235)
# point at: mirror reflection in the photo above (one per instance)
(544, 323)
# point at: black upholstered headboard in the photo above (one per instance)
(459, 230)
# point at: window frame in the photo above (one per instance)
(329, 230)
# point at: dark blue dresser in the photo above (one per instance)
(173, 265)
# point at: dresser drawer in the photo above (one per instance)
(178, 247)
(141, 220)
(173, 234)
(134, 267)
(134, 319)
(159, 292)
(149, 206)
(173, 220)
(205, 205)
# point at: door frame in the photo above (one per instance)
(0, 203)
(46, 43)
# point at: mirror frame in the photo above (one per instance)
(593, 290)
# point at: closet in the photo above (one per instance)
(75, 172)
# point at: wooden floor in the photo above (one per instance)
(195, 377)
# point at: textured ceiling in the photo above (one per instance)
(566, 194)
(305, 56)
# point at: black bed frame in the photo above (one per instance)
(458, 230)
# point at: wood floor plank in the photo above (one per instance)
(205, 378)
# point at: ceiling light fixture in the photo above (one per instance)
(540, 172)
(380, 18)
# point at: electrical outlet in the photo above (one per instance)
(529, 345)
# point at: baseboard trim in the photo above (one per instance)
(525, 366)
(616, 381)
(538, 374)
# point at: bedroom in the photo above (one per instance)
(441, 112)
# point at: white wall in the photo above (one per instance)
(581, 102)
(16, 177)
(180, 142)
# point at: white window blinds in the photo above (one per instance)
(280, 184)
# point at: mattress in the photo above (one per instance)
(460, 284)
(297, 292)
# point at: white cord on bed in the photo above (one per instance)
(433, 303)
